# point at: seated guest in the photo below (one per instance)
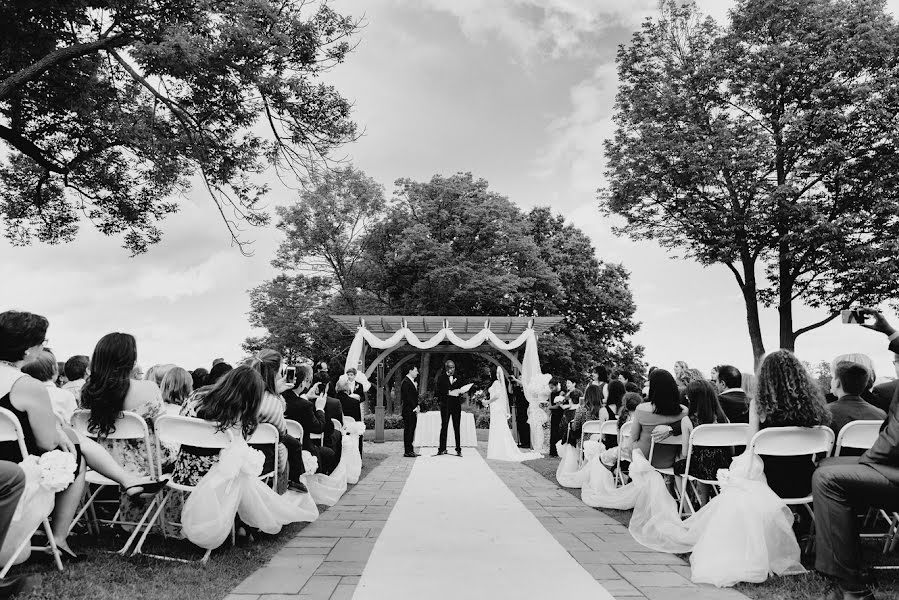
(332, 438)
(787, 396)
(76, 369)
(22, 335)
(882, 394)
(271, 410)
(156, 373)
(217, 371)
(614, 399)
(609, 458)
(43, 367)
(306, 406)
(705, 462)
(589, 411)
(731, 395)
(848, 382)
(12, 485)
(176, 387)
(663, 408)
(198, 378)
(860, 359)
(843, 486)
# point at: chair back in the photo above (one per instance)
(793, 441)
(674, 440)
(609, 428)
(191, 431)
(294, 429)
(11, 430)
(265, 434)
(128, 426)
(858, 434)
(337, 424)
(591, 427)
(348, 421)
(625, 431)
(720, 435)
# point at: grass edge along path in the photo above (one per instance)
(107, 576)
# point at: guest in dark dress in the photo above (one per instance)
(588, 411)
(787, 396)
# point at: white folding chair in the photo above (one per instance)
(717, 435)
(267, 434)
(347, 421)
(129, 426)
(338, 426)
(183, 431)
(295, 430)
(590, 428)
(11, 431)
(794, 441)
(674, 440)
(623, 434)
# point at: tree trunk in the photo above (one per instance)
(749, 287)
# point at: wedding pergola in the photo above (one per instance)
(451, 334)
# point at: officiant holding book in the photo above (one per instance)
(449, 389)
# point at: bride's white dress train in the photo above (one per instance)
(500, 443)
(743, 534)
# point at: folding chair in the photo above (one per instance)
(129, 426)
(295, 430)
(187, 431)
(338, 426)
(623, 434)
(674, 440)
(590, 428)
(717, 435)
(267, 434)
(11, 431)
(794, 441)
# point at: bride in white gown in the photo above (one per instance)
(500, 444)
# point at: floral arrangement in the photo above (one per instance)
(57, 469)
(480, 398)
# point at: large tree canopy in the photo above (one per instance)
(445, 246)
(107, 109)
(768, 146)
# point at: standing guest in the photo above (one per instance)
(447, 390)
(352, 397)
(269, 364)
(176, 387)
(663, 408)
(521, 413)
(787, 396)
(849, 381)
(571, 405)
(625, 377)
(599, 376)
(705, 462)
(556, 400)
(198, 378)
(76, 369)
(409, 401)
(42, 366)
(843, 486)
(731, 396)
(217, 371)
(22, 335)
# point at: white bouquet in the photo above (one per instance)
(57, 469)
(481, 398)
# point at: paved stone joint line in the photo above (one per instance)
(602, 545)
(325, 560)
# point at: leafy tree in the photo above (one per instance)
(767, 145)
(327, 229)
(107, 109)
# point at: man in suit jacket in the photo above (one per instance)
(731, 396)
(446, 389)
(409, 400)
(331, 438)
(882, 394)
(842, 485)
(312, 417)
(556, 400)
(351, 399)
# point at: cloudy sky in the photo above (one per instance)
(519, 92)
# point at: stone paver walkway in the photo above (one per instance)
(602, 545)
(325, 560)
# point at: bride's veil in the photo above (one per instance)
(503, 395)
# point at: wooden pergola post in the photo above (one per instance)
(379, 407)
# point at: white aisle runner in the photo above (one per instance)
(457, 532)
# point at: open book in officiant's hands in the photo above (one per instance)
(464, 389)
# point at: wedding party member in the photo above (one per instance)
(731, 396)
(556, 400)
(352, 397)
(843, 486)
(447, 390)
(849, 381)
(787, 395)
(500, 443)
(663, 408)
(22, 335)
(521, 414)
(409, 401)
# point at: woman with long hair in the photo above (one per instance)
(615, 398)
(704, 410)
(787, 396)
(663, 408)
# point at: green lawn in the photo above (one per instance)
(800, 587)
(105, 576)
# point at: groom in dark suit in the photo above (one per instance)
(409, 400)
(446, 388)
